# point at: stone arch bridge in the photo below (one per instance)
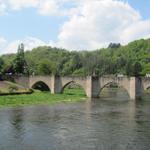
(92, 85)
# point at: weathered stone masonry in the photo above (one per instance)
(91, 84)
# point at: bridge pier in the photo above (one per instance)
(138, 88)
(92, 87)
(133, 85)
(56, 85)
(91, 84)
(132, 88)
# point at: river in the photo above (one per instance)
(112, 122)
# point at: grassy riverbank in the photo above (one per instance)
(148, 90)
(69, 95)
(10, 88)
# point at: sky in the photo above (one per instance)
(72, 24)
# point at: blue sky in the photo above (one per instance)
(72, 24)
(28, 23)
(142, 6)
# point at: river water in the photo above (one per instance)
(112, 122)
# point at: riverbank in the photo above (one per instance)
(69, 95)
(148, 91)
(10, 88)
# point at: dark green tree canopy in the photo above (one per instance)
(131, 59)
(19, 63)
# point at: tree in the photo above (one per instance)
(113, 60)
(137, 68)
(114, 45)
(8, 69)
(1, 64)
(129, 68)
(46, 67)
(146, 69)
(19, 63)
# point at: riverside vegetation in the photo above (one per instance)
(69, 95)
(131, 59)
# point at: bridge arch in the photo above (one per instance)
(92, 85)
(116, 84)
(64, 86)
(79, 81)
(148, 87)
(107, 84)
(40, 85)
(72, 82)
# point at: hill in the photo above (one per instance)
(116, 59)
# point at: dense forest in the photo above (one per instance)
(131, 59)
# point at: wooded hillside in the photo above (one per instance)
(131, 59)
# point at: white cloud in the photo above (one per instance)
(91, 24)
(29, 42)
(44, 7)
(2, 8)
(49, 7)
(3, 43)
(32, 42)
(97, 23)
(19, 4)
(137, 30)
(56, 7)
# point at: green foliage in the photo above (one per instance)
(19, 63)
(79, 72)
(137, 68)
(45, 67)
(132, 59)
(1, 64)
(114, 45)
(146, 69)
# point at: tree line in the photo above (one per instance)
(132, 60)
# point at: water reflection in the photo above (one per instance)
(111, 122)
(17, 122)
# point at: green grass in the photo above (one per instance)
(147, 91)
(69, 95)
